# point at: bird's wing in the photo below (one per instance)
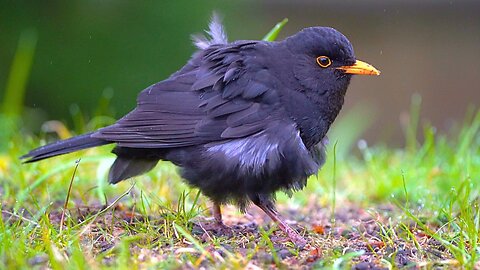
(222, 93)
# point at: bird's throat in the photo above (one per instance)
(322, 111)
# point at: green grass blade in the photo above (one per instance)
(19, 73)
(192, 240)
(411, 131)
(272, 35)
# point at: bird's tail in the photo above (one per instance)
(63, 147)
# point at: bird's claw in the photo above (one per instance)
(295, 237)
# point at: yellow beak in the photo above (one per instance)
(360, 68)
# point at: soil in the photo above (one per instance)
(357, 238)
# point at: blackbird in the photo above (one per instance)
(241, 119)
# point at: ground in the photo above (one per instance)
(358, 238)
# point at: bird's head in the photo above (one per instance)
(324, 60)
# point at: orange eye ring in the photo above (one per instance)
(324, 61)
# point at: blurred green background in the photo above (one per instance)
(90, 51)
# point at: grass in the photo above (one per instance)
(419, 204)
(391, 208)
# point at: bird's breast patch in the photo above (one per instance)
(264, 153)
(254, 153)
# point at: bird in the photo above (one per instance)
(241, 120)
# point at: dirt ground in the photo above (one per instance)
(357, 239)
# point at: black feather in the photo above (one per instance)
(63, 147)
(124, 168)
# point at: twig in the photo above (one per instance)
(77, 162)
(20, 217)
(104, 210)
(205, 231)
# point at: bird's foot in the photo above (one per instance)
(217, 226)
(216, 229)
(294, 236)
(267, 207)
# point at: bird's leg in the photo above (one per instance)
(218, 226)
(267, 206)
(217, 213)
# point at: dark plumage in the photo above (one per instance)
(242, 120)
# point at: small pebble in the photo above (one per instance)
(284, 253)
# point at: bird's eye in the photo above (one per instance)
(324, 61)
